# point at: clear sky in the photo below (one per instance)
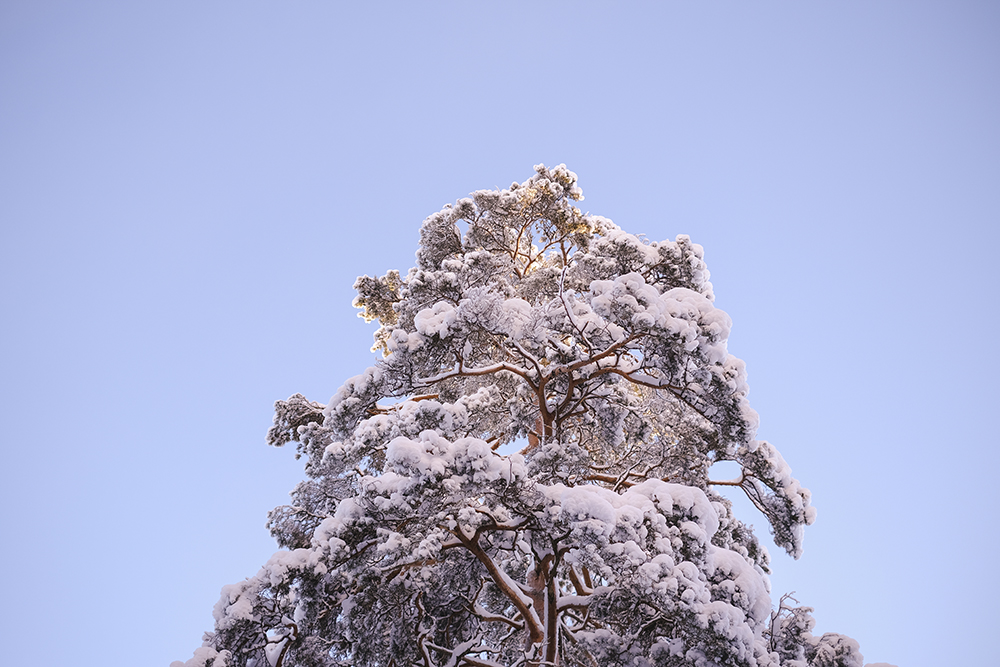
(189, 189)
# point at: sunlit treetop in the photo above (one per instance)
(523, 477)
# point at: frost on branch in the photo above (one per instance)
(523, 478)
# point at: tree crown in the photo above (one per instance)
(523, 478)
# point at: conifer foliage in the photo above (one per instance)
(523, 478)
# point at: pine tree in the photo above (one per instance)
(523, 478)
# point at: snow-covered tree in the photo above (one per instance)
(524, 477)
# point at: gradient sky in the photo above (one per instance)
(189, 189)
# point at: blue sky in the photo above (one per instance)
(188, 191)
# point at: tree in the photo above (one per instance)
(523, 478)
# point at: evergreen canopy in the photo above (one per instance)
(523, 478)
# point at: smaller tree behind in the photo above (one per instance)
(523, 479)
